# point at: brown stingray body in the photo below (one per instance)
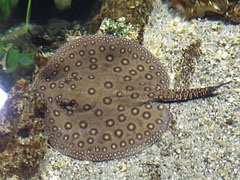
(102, 97)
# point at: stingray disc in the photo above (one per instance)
(99, 92)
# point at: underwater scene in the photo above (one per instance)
(119, 89)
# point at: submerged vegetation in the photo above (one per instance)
(6, 7)
(13, 65)
(12, 58)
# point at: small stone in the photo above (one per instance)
(214, 27)
(215, 33)
(222, 43)
(124, 168)
(175, 22)
(213, 154)
(180, 126)
(225, 55)
(237, 90)
(178, 151)
(192, 21)
(217, 58)
(232, 62)
(211, 127)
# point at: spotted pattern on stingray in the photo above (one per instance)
(102, 95)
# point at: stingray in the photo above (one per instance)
(105, 96)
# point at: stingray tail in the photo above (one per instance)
(176, 95)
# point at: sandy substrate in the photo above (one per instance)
(204, 142)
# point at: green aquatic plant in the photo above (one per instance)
(15, 59)
(6, 7)
(28, 15)
(14, 65)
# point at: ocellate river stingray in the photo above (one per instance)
(105, 98)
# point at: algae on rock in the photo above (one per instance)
(22, 140)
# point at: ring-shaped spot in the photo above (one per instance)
(112, 47)
(54, 73)
(120, 94)
(93, 60)
(56, 113)
(106, 137)
(91, 91)
(110, 123)
(52, 85)
(122, 50)
(81, 52)
(123, 144)
(71, 56)
(93, 66)
(118, 133)
(146, 115)
(117, 69)
(68, 125)
(108, 84)
(150, 126)
(125, 61)
(78, 63)
(98, 112)
(131, 127)
(65, 137)
(135, 111)
(134, 55)
(91, 52)
(139, 136)
(50, 99)
(51, 121)
(140, 68)
(107, 100)
(101, 48)
(121, 108)
(80, 144)
(86, 107)
(83, 124)
(93, 131)
(129, 88)
(109, 58)
(114, 146)
(75, 135)
(131, 141)
(73, 86)
(134, 95)
(127, 78)
(122, 117)
(148, 76)
(133, 72)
